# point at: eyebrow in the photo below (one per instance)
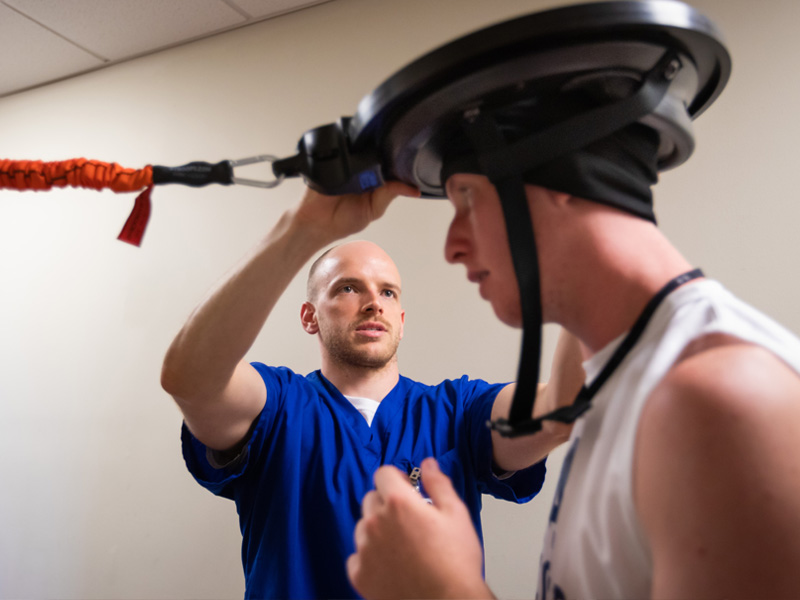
(460, 188)
(355, 280)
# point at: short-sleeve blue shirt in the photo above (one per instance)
(299, 482)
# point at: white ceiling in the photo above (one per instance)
(45, 40)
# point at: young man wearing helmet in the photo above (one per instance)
(704, 483)
(681, 475)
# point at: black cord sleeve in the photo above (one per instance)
(195, 174)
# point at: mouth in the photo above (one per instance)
(371, 328)
(477, 276)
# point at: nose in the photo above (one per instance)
(373, 304)
(456, 244)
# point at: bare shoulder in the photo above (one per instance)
(722, 377)
(718, 462)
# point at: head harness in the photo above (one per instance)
(591, 99)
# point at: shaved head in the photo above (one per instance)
(321, 268)
(311, 284)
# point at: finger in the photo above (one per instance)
(381, 200)
(370, 503)
(438, 485)
(398, 188)
(384, 196)
(360, 534)
(390, 480)
(353, 566)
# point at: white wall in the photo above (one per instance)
(94, 499)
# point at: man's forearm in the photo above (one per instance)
(515, 454)
(205, 353)
(566, 378)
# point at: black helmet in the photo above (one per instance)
(544, 98)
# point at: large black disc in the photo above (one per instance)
(408, 117)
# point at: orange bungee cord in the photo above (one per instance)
(93, 174)
(39, 176)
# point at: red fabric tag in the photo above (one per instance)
(133, 231)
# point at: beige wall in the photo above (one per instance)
(94, 498)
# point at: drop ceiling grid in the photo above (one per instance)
(30, 54)
(45, 40)
(114, 30)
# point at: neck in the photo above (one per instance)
(366, 382)
(627, 266)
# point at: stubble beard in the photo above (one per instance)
(363, 355)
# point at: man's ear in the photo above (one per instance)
(308, 318)
(557, 198)
(560, 198)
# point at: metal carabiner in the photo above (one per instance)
(252, 160)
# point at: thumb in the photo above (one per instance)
(438, 485)
(384, 195)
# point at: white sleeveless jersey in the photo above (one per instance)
(595, 546)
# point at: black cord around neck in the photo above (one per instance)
(583, 401)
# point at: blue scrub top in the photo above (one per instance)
(299, 482)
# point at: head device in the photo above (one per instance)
(534, 99)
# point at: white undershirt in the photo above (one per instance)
(366, 406)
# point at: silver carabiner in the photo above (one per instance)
(252, 160)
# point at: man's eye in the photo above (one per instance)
(389, 293)
(347, 288)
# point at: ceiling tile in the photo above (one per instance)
(116, 30)
(266, 8)
(30, 54)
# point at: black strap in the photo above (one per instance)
(504, 164)
(485, 134)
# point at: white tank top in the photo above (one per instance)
(595, 546)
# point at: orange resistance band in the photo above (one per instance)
(79, 172)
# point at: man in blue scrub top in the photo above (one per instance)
(297, 453)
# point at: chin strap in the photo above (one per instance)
(504, 165)
(484, 134)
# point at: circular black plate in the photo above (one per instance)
(408, 115)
